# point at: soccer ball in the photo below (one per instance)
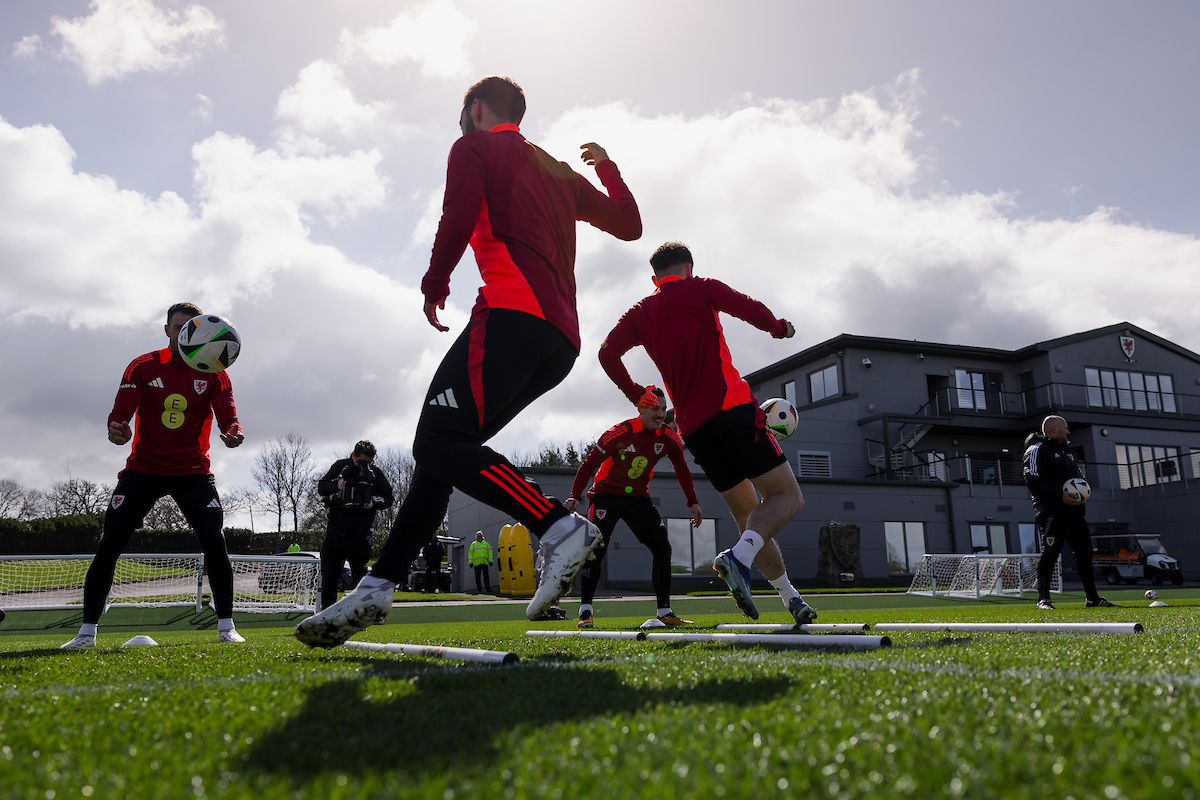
(209, 343)
(1078, 487)
(781, 417)
(1151, 594)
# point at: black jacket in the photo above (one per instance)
(1048, 465)
(353, 521)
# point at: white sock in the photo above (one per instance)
(785, 588)
(225, 624)
(747, 547)
(662, 612)
(88, 629)
(371, 582)
(584, 607)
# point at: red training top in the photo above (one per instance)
(638, 449)
(517, 208)
(175, 406)
(679, 327)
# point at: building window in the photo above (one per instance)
(970, 386)
(905, 546)
(813, 464)
(789, 392)
(823, 383)
(1027, 532)
(1132, 391)
(1146, 465)
(989, 539)
(692, 549)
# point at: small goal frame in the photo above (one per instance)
(262, 584)
(973, 576)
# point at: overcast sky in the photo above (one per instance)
(976, 173)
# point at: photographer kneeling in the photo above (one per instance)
(354, 492)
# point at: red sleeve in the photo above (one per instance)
(621, 340)
(683, 472)
(129, 394)
(587, 469)
(223, 408)
(465, 177)
(616, 213)
(745, 307)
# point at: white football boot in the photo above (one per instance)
(561, 553)
(230, 636)
(356, 611)
(80, 641)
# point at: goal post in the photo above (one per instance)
(149, 580)
(973, 576)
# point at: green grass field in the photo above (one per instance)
(936, 715)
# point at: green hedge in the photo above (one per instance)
(81, 533)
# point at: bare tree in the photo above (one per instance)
(314, 512)
(165, 516)
(16, 500)
(398, 467)
(76, 496)
(283, 469)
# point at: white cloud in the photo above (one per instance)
(91, 253)
(125, 36)
(321, 104)
(204, 107)
(435, 35)
(27, 47)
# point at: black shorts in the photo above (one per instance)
(735, 445)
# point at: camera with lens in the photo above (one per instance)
(360, 485)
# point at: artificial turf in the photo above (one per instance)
(935, 715)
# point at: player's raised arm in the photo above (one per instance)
(615, 213)
(746, 308)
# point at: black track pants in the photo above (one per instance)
(501, 363)
(1056, 531)
(135, 495)
(643, 519)
(335, 552)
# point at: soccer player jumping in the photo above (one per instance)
(175, 405)
(626, 455)
(517, 207)
(720, 420)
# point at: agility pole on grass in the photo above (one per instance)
(1014, 627)
(633, 635)
(450, 653)
(856, 641)
(843, 627)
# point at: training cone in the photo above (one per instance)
(1158, 604)
(653, 622)
(140, 639)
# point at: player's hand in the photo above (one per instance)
(369, 504)
(1071, 499)
(697, 514)
(341, 484)
(592, 154)
(571, 503)
(119, 432)
(431, 310)
(791, 331)
(232, 439)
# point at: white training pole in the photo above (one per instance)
(452, 653)
(858, 641)
(817, 626)
(1014, 627)
(637, 635)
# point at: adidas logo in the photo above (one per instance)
(630, 449)
(214, 503)
(446, 398)
(156, 383)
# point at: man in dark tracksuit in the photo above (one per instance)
(348, 537)
(1059, 514)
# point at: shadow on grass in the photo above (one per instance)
(459, 718)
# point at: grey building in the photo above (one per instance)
(920, 444)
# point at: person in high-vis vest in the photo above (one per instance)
(480, 557)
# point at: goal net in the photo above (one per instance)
(980, 575)
(260, 583)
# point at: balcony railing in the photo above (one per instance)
(948, 401)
